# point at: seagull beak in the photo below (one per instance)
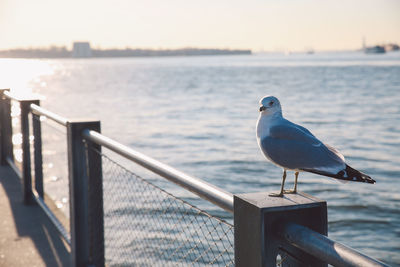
(262, 108)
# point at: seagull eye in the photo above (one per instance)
(271, 103)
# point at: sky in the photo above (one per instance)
(269, 25)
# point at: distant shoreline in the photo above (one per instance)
(62, 52)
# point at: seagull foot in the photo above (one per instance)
(290, 191)
(276, 194)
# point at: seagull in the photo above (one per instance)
(295, 148)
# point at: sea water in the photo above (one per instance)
(198, 114)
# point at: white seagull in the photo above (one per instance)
(295, 148)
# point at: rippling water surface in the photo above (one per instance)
(198, 114)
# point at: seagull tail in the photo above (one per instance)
(354, 175)
(347, 174)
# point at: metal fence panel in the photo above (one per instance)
(145, 225)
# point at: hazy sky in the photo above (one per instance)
(255, 24)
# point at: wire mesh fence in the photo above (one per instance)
(146, 226)
(55, 167)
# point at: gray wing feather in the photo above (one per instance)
(292, 132)
(300, 127)
(293, 148)
(335, 151)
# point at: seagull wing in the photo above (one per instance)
(334, 150)
(294, 147)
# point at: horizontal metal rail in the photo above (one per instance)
(199, 187)
(38, 110)
(15, 97)
(48, 114)
(11, 96)
(324, 248)
(60, 228)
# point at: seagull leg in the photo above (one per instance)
(280, 194)
(295, 182)
(294, 191)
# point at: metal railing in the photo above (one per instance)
(48, 114)
(324, 248)
(199, 187)
(79, 238)
(35, 193)
(307, 240)
(263, 228)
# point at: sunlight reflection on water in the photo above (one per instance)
(18, 74)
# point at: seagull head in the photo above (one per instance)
(270, 105)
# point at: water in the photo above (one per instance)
(198, 114)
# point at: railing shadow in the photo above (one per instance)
(31, 222)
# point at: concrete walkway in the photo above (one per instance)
(27, 237)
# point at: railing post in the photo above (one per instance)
(258, 219)
(96, 212)
(26, 154)
(6, 145)
(38, 158)
(82, 181)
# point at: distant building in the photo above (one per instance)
(81, 49)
